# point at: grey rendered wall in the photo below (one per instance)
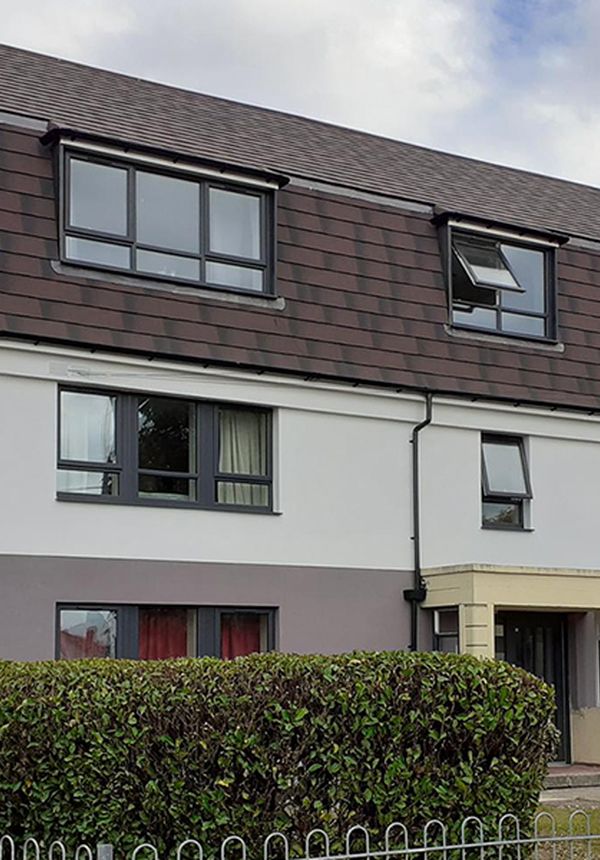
(325, 610)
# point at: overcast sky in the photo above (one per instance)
(512, 81)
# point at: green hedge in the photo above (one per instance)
(122, 751)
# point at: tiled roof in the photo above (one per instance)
(115, 105)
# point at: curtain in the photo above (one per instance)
(163, 633)
(80, 647)
(240, 634)
(87, 427)
(242, 451)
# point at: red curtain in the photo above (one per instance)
(240, 634)
(163, 633)
(74, 647)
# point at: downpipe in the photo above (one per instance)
(416, 595)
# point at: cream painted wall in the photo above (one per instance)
(564, 462)
(342, 473)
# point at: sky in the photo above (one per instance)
(511, 81)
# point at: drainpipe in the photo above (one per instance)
(418, 592)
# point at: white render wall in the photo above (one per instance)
(342, 475)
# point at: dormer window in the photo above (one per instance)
(167, 223)
(500, 283)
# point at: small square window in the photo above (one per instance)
(505, 481)
(501, 285)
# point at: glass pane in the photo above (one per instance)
(88, 483)
(86, 633)
(166, 633)
(484, 262)
(502, 514)
(255, 495)
(243, 442)
(168, 265)
(242, 633)
(464, 290)
(166, 434)
(98, 253)
(165, 487)
(447, 621)
(475, 317)
(98, 197)
(529, 267)
(168, 212)
(518, 324)
(234, 224)
(87, 427)
(504, 467)
(243, 278)
(447, 644)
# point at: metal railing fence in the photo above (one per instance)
(546, 839)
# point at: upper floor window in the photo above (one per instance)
(506, 486)
(158, 223)
(501, 285)
(161, 450)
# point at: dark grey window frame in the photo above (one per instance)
(208, 638)
(494, 497)
(268, 224)
(447, 230)
(206, 474)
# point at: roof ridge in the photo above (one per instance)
(308, 120)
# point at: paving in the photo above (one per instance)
(572, 786)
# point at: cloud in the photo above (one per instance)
(513, 81)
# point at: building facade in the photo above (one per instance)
(269, 383)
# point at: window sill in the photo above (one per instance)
(503, 339)
(162, 503)
(240, 297)
(506, 529)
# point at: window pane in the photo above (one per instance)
(484, 262)
(243, 442)
(234, 224)
(86, 633)
(165, 487)
(255, 495)
(464, 290)
(241, 277)
(528, 265)
(447, 621)
(502, 514)
(166, 434)
(99, 253)
(168, 212)
(518, 324)
(476, 317)
(504, 467)
(242, 633)
(87, 427)
(168, 265)
(98, 197)
(166, 632)
(88, 483)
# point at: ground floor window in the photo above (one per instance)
(445, 630)
(162, 632)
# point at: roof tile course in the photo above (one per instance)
(365, 298)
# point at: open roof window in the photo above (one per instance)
(485, 263)
(500, 284)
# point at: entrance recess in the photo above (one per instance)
(537, 642)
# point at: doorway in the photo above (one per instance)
(537, 642)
